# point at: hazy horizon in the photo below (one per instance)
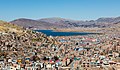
(70, 9)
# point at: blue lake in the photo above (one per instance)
(55, 33)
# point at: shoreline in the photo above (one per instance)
(88, 30)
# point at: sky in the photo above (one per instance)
(71, 9)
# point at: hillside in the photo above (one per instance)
(18, 42)
(8, 27)
(29, 23)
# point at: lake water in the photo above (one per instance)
(55, 33)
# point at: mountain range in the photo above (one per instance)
(54, 23)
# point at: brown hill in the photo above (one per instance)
(48, 23)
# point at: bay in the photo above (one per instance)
(55, 33)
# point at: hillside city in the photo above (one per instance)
(25, 49)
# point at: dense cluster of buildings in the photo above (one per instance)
(36, 51)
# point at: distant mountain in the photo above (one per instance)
(38, 24)
(59, 22)
(101, 22)
(47, 23)
(30, 23)
(109, 20)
